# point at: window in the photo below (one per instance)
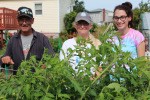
(38, 9)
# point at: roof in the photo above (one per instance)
(98, 10)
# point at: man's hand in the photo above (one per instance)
(7, 60)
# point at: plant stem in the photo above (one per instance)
(148, 87)
(19, 93)
(98, 77)
(47, 88)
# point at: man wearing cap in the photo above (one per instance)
(26, 42)
(82, 24)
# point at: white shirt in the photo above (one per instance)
(74, 60)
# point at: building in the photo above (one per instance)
(48, 14)
(145, 19)
(101, 16)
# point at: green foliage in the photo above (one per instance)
(68, 21)
(136, 18)
(94, 28)
(79, 6)
(63, 35)
(58, 81)
(56, 44)
(2, 51)
(70, 17)
(143, 7)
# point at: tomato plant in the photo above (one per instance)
(121, 77)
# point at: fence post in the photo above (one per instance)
(6, 71)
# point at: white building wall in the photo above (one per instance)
(65, 6)
(109, 16)
(48, 22)
(97, 17)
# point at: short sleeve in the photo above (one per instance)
(139, 38)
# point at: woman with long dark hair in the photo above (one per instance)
(131, 40)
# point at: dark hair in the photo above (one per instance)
(127, 7)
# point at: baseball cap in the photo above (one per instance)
(25, 11)
(83, 16)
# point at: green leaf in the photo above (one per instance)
(92, 92)
(2, 97)
(38, 94)
(27, 91)
(64, 96)
(114, 85)
(50, 95)
(118, 98)
(101, 96)
(3, 89)
(47, 98)
(76, 85)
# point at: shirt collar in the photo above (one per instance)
(19, 32)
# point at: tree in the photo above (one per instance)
(68, 20)
(136, 18)
(143, 7)
(79, 6)
(70, 17)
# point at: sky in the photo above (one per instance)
(108, 4)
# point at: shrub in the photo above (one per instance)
(68, 20)
(94, 28)
(59, 81)
(56, 44)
